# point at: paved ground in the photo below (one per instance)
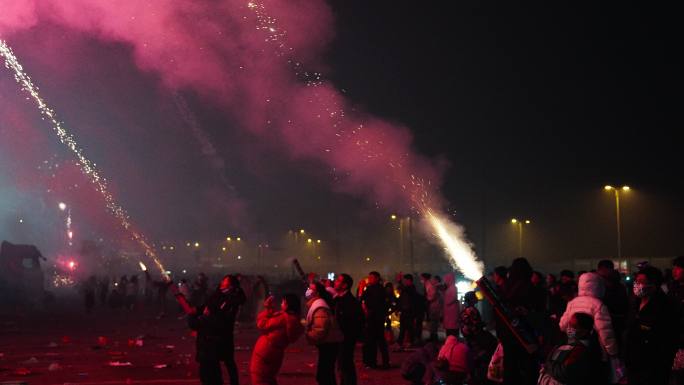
(67, 346)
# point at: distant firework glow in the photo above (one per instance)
(88, 168)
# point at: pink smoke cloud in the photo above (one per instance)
(225, 52)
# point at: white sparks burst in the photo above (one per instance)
(461, 253)
(87, 167)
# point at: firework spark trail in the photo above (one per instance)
(450, 234)
(88, 168)
(207, 147)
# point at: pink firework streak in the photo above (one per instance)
(241, 55)
(87, 167)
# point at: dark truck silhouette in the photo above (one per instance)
(21, 277)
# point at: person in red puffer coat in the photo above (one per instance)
(279, 329)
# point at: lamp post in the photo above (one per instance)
(403, 222)
(617, 213)
(519, 224)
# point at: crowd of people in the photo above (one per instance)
(129, 292)
(593, 328)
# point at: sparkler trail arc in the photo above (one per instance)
(88, 168)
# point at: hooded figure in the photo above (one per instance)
(590, 291)
(451, 305)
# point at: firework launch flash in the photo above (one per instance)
(88, 168)
(460, 252)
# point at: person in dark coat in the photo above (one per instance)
(481, 343)
(350, 319)
(409, 305)
(567, 289)
(520, 367)
(215, 323)
(650, 337)
(615, 297)
(88, 288)
(207, 324)
(391, 308)
(539, 293)
(374, 305)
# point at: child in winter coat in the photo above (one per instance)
(579, 361)
(279, 329)
(590, 291)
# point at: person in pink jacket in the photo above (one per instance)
(278, 329)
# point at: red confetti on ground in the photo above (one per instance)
(22, 372)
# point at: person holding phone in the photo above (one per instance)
(278, 329)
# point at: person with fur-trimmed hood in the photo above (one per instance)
(322, 331)
(590, 291)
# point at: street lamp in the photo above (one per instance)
(617, 213)
(519, 224)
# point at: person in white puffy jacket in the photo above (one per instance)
(590, 291)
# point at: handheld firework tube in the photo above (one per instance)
(267, 289)
(517, 326)
(299, 269)
(182, 301)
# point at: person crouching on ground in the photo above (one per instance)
(322, 331)
(278, 329)
(417, 367)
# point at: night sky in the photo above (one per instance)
(535, 108)
(528, 110)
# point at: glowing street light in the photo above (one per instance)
(519, 224)
(617, 212)
(301, 231)
(197, 244)
(309, 240)
(393, 217)
(318, 241)
(62, 206)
